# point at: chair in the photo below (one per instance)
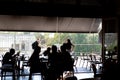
(9, 68)
(80, 58)
(85, 58)
(24, 60)
(75, 63)
(97, 74)
(24, 64)
(95, 61)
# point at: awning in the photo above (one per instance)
(49, 24)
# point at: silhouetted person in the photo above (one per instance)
(47, 52)
(9, 60)
(69, 46)
(34, 62)
(8, 57)
(36, 43)
(53, 67)
(67, 59)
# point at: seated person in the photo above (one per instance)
(47, 51)
(8, 57)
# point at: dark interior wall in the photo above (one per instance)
(118, 39)
(110, 25)
(71, 8)
(38, 9)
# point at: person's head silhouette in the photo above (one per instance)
(12, 51)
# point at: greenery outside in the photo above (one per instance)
(84, 42)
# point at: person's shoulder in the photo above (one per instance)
(7, 53)
(34, 42)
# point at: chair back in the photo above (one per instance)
(91, 57)
(85, 56)
(75, 60)
(10, 67)
(94, 69)
(96, 73)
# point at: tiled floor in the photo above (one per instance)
(82, 72)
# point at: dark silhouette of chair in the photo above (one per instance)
(24, 60)
(9, 68)
(95, 61)
(97, 74)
